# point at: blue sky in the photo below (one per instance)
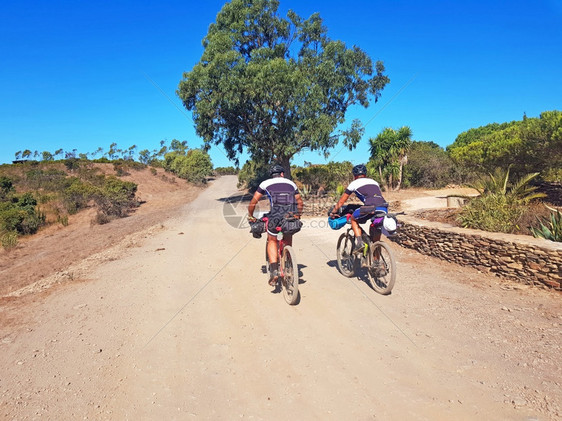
(82, 74)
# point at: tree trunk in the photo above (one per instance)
(403, 161)
(285, 162)
(399, 181)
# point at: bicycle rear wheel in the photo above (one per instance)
(382, 270)
(290, 279)
(345, 257)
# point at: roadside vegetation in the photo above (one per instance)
(38, 192)
(510, 200)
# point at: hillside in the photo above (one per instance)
(56, 247)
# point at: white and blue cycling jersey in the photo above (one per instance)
(367, 190)
(281, 193)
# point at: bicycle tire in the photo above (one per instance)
(290, 279)
(344, 254)
(382, 284)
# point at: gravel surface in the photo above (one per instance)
(176, 321)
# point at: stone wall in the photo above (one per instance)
(518, 257)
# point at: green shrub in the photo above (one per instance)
(10, 217)
(20, 215)
(429, 165)
(50, 179)
(134, 165)
(72, 164)
(550, 229)
(6, 187)
(340, 190)
(116, 197)
(63, 219)
(102, 218)
(327, 176)
(553, 175)
(501, 205)
(9, 240)
(492, 212)
(77, 195)
(194, 166)
(252, 174)
(226, 171)
(120, 169)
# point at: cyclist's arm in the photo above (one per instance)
(252, 206)
(340, 203)
(300, 204)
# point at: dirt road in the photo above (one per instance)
(178, 322)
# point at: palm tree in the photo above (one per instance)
(403, 140)
(389, 153)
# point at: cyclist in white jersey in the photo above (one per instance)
(369, 192)
(284, 199)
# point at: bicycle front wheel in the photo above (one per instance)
(290, 280)
(345, 257)
(382, 270)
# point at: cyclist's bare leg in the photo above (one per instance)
(272, 248)
(357, 232)
(355, 227)
(273, 261)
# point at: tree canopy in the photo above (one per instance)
(429, 165)
(528, 145)
(276, 86)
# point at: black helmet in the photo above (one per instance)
(359, 170)
(276, 169)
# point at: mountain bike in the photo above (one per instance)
(376, 256)
(288, 279)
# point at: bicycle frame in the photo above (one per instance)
(288, 268)
(376, 255)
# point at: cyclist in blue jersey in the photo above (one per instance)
(284, 199)
(367, 191)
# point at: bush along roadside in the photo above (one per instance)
(501, 204)
(50, 195)
(551, 228)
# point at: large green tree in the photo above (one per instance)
(527, 145)
(276, 86)
(429, 165)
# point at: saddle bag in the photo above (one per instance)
(257, 228)
(291, 225)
